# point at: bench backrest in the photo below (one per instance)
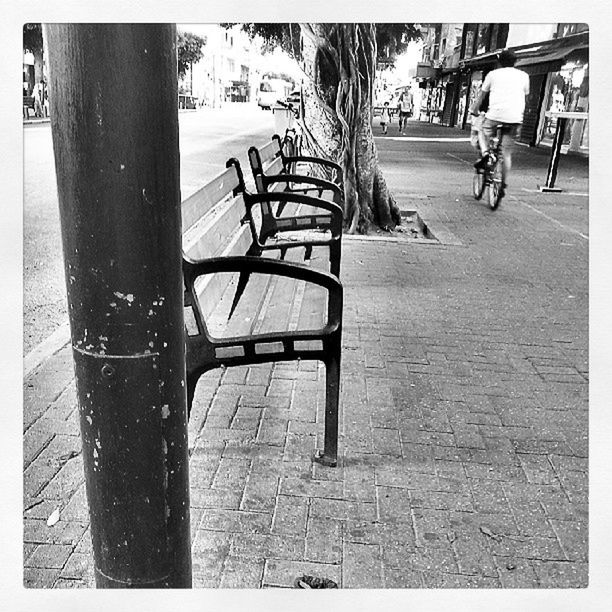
(267, 160)
(212, 227)
(212, 216)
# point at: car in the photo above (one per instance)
(295, 97)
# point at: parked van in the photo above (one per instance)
(271, 90)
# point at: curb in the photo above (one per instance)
(47, 348)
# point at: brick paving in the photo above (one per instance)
(463, 429)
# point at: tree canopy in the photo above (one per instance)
(32, 37)
(392, 39)
(189, 50)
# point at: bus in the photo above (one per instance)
(271, 90)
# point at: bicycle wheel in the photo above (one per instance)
(478, 184)
(494, 191)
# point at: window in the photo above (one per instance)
(566, 29)
(469, 44)
(482, 39)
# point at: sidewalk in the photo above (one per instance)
(463, 425)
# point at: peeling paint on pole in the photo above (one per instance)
(115, 137)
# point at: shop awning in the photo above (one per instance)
(554, 52)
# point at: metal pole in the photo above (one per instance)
(115, 136)
(555, 155)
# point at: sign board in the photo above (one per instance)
(425, 71)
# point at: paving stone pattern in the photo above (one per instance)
(463, 431)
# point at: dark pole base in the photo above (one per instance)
(321, 458)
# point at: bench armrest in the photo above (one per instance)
(253, 199)
(318, 184)
(259, 265)
(314, 160)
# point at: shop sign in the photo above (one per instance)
(425, 71)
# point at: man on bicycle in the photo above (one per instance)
(507, 89)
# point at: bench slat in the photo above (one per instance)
(269, 152)
(274, 167)
(211, 287)
(212, 232)
(202, 201)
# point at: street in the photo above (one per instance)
(208, 137)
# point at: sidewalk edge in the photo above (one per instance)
(57, 340)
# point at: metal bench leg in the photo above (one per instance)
(192, 381)
(329, 456)
(334, 256)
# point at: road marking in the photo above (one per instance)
(514, 198)
(57, 340)
(572, 193)
(565, 227)
(469, 163)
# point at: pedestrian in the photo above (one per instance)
(507, 88)
(385, 118)
(38, 94)
(404, 106)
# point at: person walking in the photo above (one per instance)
(385, 118)
(38, 95)
(507, 89)
(404, 107)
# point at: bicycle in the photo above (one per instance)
(292, 138)
(489, 178)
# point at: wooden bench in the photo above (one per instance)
(287, 311)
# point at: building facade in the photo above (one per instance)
(226, 71)
(555, 56)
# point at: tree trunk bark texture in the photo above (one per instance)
(340, 60)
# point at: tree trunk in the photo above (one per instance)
(340, 60)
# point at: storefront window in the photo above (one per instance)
(483, 38)
(475, 87)
(461, 103)
(28, 79)
(568, 90)
(469, 44)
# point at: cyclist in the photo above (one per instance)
(507, 88)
